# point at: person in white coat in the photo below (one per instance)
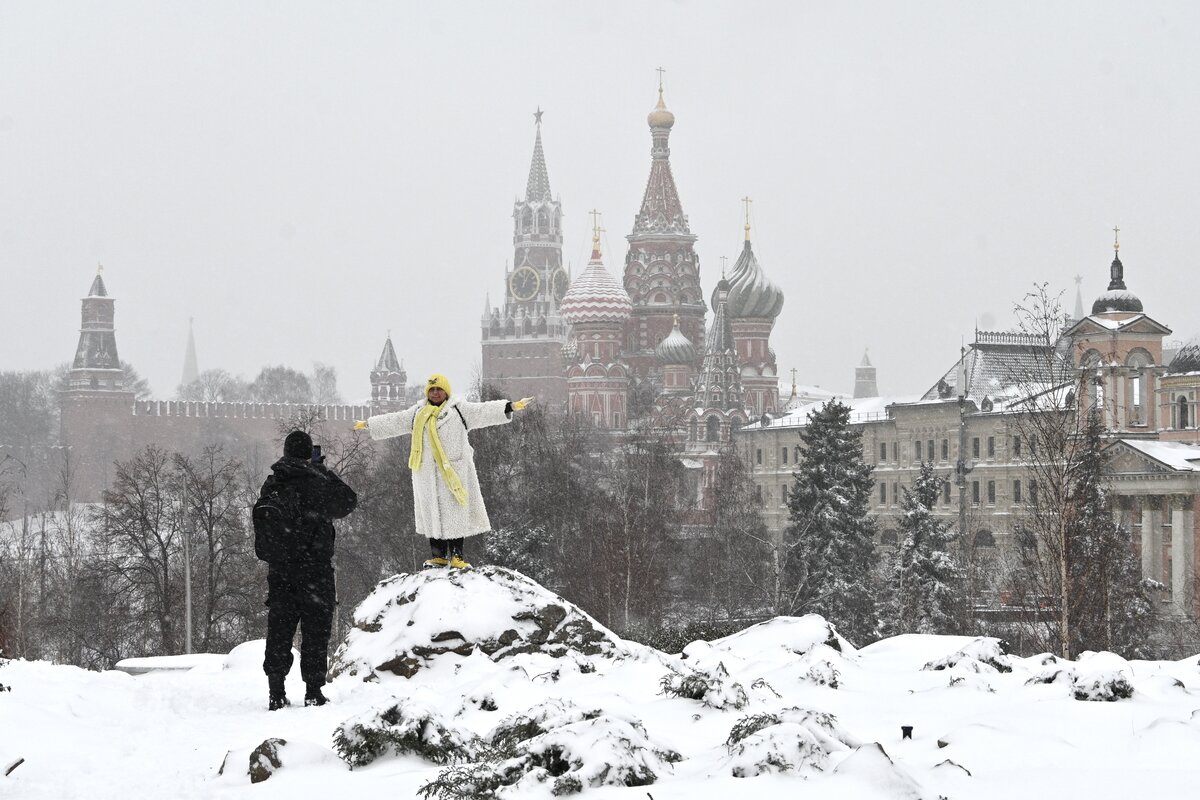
(446, 497)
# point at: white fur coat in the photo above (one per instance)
(439, 515)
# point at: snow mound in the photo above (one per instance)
(247, 658)
(783, 636)
(558, 746)
(409, 620)
(262, 762)
(874, 768)
(983, 654)
(795, 740)
(411, 725)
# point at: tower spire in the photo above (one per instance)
(191, 370)
(747, 201)
(537, 188)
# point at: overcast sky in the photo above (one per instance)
(302, 177)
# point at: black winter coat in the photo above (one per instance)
(322, 496)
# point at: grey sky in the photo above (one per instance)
(303, 177)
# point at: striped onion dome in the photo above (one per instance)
(751, 294)
(595, 296)
(676, 348)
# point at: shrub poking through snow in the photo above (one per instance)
(795, 740)
(539, 719)
(710, 686)
(983, 654)
(557, 743)
(822, 673)
(1106, 687)
(409, 726)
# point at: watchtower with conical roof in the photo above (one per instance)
(864, 378)
(662, 270)
(389, 381)
(97, 409)
(522, 339)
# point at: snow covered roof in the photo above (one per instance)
(1179, 456)
(996, 362)
(1187, 359)
(862, 409)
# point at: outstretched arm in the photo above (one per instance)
(492, 412)
(398, 423)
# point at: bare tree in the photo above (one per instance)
(139, 528)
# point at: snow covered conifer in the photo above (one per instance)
(829, 549)
(925, 583)
(1111, 607)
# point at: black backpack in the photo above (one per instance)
(277, 521)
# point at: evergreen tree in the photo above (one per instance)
(829, 550)
(925, 587)
(1111, 608)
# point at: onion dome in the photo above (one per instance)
(1187, 359)
(595, 296)
(676, 348)
(660, 117)
(751, 294)
(1117, 298)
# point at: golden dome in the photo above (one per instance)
(660, 117)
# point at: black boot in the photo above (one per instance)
(278, 697)
(313, 696)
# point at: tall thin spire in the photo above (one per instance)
(537, 188)
(191, 372)
(1078, 297)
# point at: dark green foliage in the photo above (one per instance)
(748, 726)
(406, 727)
(710, 686)
(1107, 688)
(673, 637)
(1111, 606)
(926, 582)
(829, 543)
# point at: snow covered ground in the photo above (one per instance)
(806, 717)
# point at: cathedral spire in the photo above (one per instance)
(661, 211)
(191, 372)
(537, 188)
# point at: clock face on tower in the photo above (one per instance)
(559, 283)
(524, 283)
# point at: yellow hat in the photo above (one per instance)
(437, 382)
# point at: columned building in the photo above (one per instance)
(967, 426)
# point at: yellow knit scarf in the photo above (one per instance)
(427, 420)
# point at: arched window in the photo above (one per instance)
(1182, 412)
(984, 538)
(712, 430)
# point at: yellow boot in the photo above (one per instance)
(457, 561)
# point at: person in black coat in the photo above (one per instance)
(300, 576)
